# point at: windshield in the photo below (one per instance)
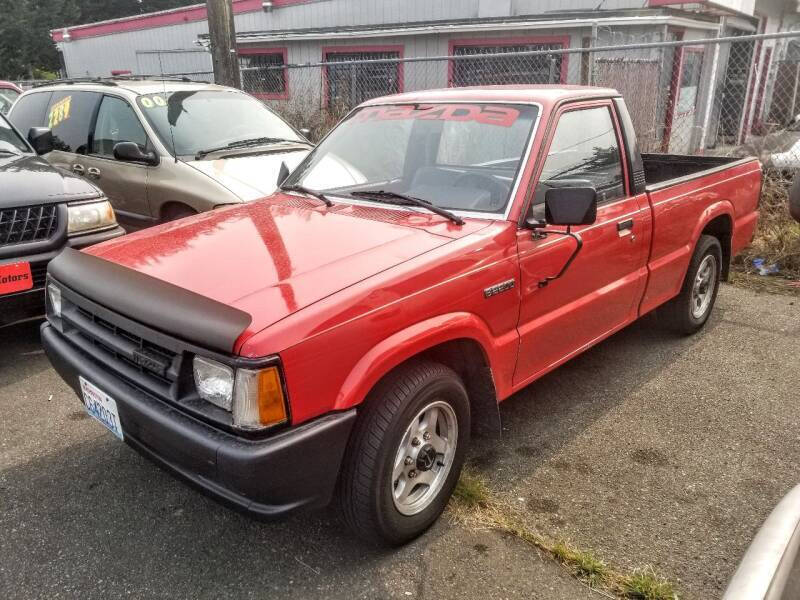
(201, 120)
(10, 141)
(455, 156)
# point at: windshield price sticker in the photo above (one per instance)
(501, 116)
(59, 112)
(153, 101)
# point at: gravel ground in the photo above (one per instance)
(648, 449)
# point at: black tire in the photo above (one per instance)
(365, 494)
(678, 312)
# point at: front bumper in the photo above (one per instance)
(266, 478)
(29, 304)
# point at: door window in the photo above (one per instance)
(69, 115)
(116, 122)
(584, 148)
(29, 111)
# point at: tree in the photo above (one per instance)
(25, 43)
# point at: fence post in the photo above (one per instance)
(712, 88)
(592, 44)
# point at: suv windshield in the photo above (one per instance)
(454, 155)
(10, 141)
(210, 119)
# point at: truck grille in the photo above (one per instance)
(29, 224)
(128, 353)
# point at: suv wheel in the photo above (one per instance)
(406, 453)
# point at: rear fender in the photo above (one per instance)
(410, 342)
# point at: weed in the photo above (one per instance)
(646, 584)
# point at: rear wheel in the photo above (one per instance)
(405, 454)
(689, 311)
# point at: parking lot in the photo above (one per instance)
(648, 449)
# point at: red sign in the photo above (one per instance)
(488, 114)
(15, 277)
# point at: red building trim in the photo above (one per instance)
(758, 121)
(328, 50)
(177, 16)
(251, 50)
(509, 41)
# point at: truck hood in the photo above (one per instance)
(26, 180)
(250, 176)
(281, 254)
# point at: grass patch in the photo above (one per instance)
(471, 491)
(584, 564)
(474, 505)
(646, 584)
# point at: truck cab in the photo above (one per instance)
(343, 338)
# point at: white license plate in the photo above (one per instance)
(101, 406)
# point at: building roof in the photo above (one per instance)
(548, 20)
(543, 94)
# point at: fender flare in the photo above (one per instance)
(718, 209)
(409, 342)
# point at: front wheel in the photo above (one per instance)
(689, 311)
(406, 453)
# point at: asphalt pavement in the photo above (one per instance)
(649, 449)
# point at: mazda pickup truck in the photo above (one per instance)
(344, 337)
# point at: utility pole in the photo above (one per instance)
(223, 43)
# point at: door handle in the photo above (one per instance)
(93, 172)
(625, 225)
(78, 169)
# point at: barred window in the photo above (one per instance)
(690, 79)
(537, 68)
(260, 75)
(353, 82)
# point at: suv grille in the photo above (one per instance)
(29, 224)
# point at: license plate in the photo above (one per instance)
(101, 407)
(15, 277)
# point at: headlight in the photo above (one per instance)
(253, 396)
(91, 215)
(214, 382)
(53, 301)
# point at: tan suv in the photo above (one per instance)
(163, 149)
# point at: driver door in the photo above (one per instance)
(599, 293)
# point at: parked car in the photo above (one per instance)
(437, 252)
(42, 210)
(9, 92)
(770, 569)
(162, 150)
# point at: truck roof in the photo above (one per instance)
(547, 95)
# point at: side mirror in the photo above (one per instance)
(570, 206)
(41, 138)
(131, 152)
(283, 173)
(305, 131)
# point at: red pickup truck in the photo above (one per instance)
(437, 252)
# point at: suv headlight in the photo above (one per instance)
(253, 396)
(90, 215)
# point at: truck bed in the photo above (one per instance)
(663, 170)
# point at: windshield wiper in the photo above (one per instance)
(304, 190)
(402, 199)
(259, 141)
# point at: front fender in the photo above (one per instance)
(409, 342)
